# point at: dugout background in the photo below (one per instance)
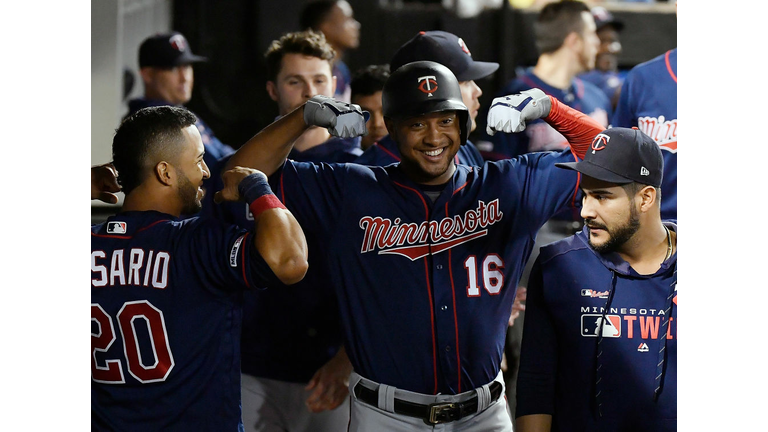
(229, 91)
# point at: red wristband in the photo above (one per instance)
(265, 202)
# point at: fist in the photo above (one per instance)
(510, 113)
(232, 179)
(341, 119)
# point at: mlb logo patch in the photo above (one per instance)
(116, 227)
(591, 323)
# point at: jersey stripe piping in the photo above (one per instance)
(669, 66)
(455, 315)
(388, 152)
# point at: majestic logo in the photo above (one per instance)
(593, 293)
(599, 143)
(116, 227)
(592, 323)
(428, 84)
(415, 241)
(643, 347)
(464, 47)
(178, 42)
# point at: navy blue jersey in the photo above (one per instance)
(538, 135)
(165, 321)
(425, 290)
(385, 152)
(568, 291)
(607, 81)
(334, 150)
(303, 322)
(649, 101)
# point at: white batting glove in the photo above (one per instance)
(341, 119)
(510, 113)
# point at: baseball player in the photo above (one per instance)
(599, 346)
(450, 51)
(648, 101)
(420, 252)
(166, 292)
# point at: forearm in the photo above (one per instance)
(281, 242)
(266, 151)
(578, 128)
(534, 423)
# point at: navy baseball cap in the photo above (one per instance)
(167, 51)
(621, 156)
(445, 48)
(603, 18)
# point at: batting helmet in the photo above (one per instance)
(424, 87)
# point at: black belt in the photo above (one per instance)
(432, 414)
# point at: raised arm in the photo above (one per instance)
(267, 150)
(104, 183)
(278, 236)
(510, 114)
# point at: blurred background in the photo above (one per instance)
(229, 90)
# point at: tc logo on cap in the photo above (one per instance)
(464, 47)
(428, 84)
(599, 143)
(178, 42)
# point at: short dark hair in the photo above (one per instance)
(314, 13)
(143, 137)
(556, 21)
(634, 187)
(308, 43)
(368, 80)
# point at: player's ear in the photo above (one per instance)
(333, 84)
(164, 173)
(647, 198)
(572, 40)
(390, 124)
(272, 90)
(147, 74)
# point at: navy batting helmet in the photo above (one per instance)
(424, 87)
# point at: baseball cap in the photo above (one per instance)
(603, 18)
(445, 48)
(166, 51)
(621, 156)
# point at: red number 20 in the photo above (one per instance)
(111, 372)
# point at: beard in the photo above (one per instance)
(188, 196)
(619, 235)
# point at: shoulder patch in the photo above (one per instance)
(235, 249)
(116, 227)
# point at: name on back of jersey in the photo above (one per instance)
(135, 267)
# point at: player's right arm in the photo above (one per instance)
(278, 236)
(267, 150)
(534, 423)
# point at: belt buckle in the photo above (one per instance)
(437, 409)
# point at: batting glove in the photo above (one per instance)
(341, 119)
(509, 113)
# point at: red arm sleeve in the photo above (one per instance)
(578, 128)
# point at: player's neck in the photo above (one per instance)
(312, 137)
(556, 69)
(649, 247)
(141, 199)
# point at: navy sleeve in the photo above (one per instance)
(624, 115)
(538, 353)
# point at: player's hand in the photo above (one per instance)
(330, 384)
(232, 179)
(341, 119)
(104, 183)
(510, 113)
(518, 306)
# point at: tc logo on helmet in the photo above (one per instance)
(428, 84)
(599, 143)
(178, 42)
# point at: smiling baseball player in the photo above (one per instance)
(425, 254)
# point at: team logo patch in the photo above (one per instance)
(428, 84)
(591, 324)
(599, 143)
(464, 47)
(233, 252)
(116, 227)
(593, 293)
(178, 42)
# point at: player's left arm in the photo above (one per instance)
(330, 384)
(512, 113)
(278, 236)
